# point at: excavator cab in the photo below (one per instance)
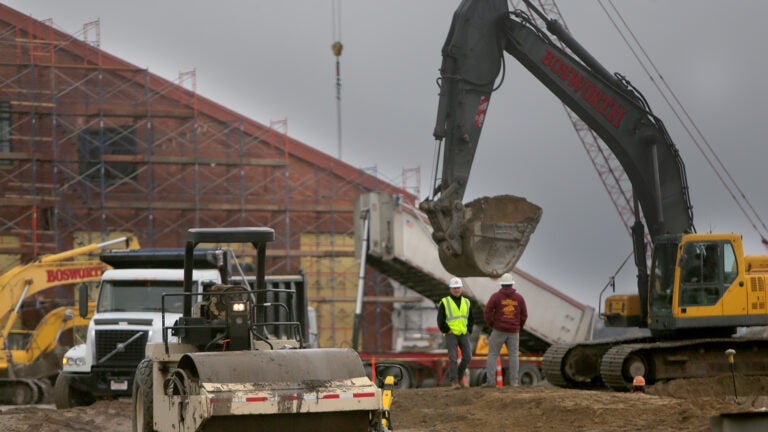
(689, 278)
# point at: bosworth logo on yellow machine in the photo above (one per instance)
(75, 274)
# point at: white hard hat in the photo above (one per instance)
(455, 283)
(506, 279)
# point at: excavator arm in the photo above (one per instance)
(487, 236)
(472, 59)
(47, 271)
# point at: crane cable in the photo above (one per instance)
(337, 47)
(702, 150)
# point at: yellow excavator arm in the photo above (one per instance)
(48, 271)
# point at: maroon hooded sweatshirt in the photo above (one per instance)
(506, 311)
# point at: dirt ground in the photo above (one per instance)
(679, 406)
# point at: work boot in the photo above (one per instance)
(455, 384)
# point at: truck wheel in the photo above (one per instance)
(65, 396)
(142, 397)
(44, 389)
(529, 374)
(478, 377)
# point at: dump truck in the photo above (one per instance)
(226, 364)
(126, 317)
(400, 245)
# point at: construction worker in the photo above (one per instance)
(454, 318)
(505, 313)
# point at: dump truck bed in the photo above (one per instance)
(401, 247)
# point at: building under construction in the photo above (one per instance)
(92, 147)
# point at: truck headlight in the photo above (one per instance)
(72, 361)
(238, 307)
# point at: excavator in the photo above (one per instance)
(31, 359)
(700, 288)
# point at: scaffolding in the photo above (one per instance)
(91, 145)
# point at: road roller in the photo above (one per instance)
(236, 360)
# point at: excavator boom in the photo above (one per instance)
(472, 58)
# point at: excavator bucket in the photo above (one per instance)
(495, 233)
(307, 389)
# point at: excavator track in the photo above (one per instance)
(21, 391)
(612, 366)
(668, 360)
(578, 365)
(550, 365)
(574, 365)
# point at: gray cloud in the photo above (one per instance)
(271, 60)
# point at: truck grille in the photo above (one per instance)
(114, 342)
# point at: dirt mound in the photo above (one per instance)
(676, 406)
(106, 416)
(743, 391)
(680, 406)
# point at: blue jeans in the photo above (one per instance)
(495, 341)
(454, 344)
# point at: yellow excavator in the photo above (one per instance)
(700, 287)
(31, 359)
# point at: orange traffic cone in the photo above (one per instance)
(638, 384)
(463, 378)
(499, 378)
(373, 369)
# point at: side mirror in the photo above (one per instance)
(82, 304)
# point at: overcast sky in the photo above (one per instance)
(272, 60)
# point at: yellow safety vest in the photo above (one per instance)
(456, 317)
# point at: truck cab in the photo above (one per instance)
(129, 314)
